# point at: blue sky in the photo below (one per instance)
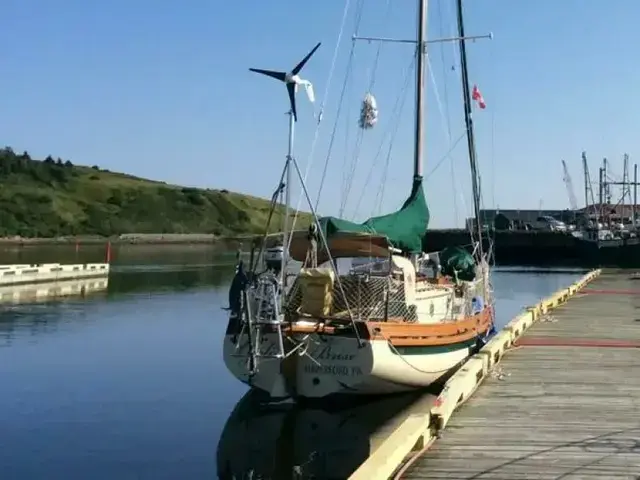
(161, 89)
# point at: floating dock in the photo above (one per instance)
(21, 274)
(564, 402)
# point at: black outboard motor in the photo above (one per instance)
(273, 258)
(238, 285)
(434, 263)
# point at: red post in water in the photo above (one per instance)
(109, 251)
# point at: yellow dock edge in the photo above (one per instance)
(418, 431)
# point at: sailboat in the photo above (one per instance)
(386, 327)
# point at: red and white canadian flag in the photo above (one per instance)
(477, 96)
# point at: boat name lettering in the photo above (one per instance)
(327, 354)
(337, 370)
(266, 347)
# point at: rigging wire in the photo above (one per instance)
(448, 110)
(359, 9)
(455, 66)
(443, 116)
(493, 142)
(452, 33)
(347, 136)
(468, 116)
(446, 155)
(492, 239)
(348, 181)
(336, 49)
(394, 121)
(377, 204)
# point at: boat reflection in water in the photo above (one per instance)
(292, 441)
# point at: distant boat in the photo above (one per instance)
(605, 239)
(597, 248)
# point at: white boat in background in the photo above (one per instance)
(382, 326)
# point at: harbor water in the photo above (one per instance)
(129, 382)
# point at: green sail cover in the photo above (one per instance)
(404, 229)
(457, 262)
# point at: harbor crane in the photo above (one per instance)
(573, 203)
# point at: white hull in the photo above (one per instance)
(267, 376)
(337, 365)
(316, 365)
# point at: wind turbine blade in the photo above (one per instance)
(310, 93)
(291, 88)
(296, 70)
(270, 73)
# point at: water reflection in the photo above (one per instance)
(28, 307)
(158, 278)
(131, 384)
(47, 291)
(262, 441)
(37, 309)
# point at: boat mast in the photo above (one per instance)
(421, 71)
(475, 184)
(420, 96)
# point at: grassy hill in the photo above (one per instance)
(56, 198)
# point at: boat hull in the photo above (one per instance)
(336, 365)
(415, 335)
(266, 376)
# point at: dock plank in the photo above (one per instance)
(558, 411)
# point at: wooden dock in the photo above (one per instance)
(564, 403)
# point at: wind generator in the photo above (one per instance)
(291, 80)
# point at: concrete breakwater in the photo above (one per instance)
(435, 239)
(519, 247)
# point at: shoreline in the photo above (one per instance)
(132, 239)
(210, 239)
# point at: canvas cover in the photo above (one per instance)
(404, 228)
(457, 262)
